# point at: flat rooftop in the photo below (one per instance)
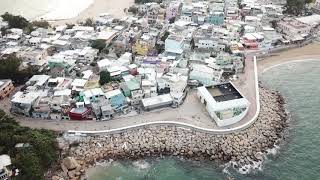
(224, 92)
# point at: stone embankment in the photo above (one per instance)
(243, 147)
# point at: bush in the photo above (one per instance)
(15, 21)
(89, 22)
(165, 36)
(10, 69)
(70, 26)
(41, 24)
(33, 161)
(133, 10)
(98, 44)
(104, 77)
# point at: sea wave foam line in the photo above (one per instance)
(66, 9)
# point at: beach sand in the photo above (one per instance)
(114, 7)
(311, 51)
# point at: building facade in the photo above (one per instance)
(6, 87)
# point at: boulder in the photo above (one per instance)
(70, 163)
(56, 178)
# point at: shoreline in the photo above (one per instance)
(242, 147)
(305, 53)
(113, 7)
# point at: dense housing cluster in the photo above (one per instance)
(107, 67)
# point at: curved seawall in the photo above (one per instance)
(242, 146)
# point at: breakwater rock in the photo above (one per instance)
(242, 147)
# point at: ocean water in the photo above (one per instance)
(297, 158)
(46, 9)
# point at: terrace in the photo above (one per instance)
(224, 92)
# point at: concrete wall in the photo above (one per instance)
(230, 121)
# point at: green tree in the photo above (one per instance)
(273, 24)
(295, 7)
(89, 22)
(15, 21)
(30, 165)
(104, 77)
(172, 20)
(3, 31)
(70, 26)
(41, 24)
(98, 44)
(133, 10)
(10, 69)
(165, 36)
(105, 50)
(192, 44)
(33, 161)
(160, 48)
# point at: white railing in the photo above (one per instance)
(180, 124)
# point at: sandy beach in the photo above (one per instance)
(311, 51)
(114, 7)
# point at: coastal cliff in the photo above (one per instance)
(243, 147)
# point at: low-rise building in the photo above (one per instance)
(87, 55)
(5, 162)
(224, 103)
(22, 102)
(216, 18)
(41, 108)
(6, 87)
(205, 75)
(116, 99)
(293, 28)
(173, 10)
(157, 102)
(174, 45)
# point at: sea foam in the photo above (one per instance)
(62, 9)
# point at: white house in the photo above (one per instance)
(87, 54)
(104, 64)
(174, 44)
(224, 103)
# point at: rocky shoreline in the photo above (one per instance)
(241, 147)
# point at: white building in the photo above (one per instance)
(5, 161)
(104, 64)
(157, 102)
(293, 27)
(174, 44)
(224, 103)
(87, 54)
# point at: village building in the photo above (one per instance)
(117, 100)
(22, 102)
(294, 29)
(205, 75)
(6, 88)
(173, 10)
(174, 45)
(41, 108)
(224, 103)
(5, 164)
(157, 102)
